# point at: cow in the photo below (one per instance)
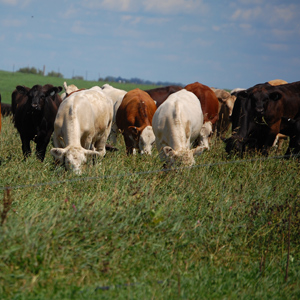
(177, 124)
(134, 120)
(68, 90)
(81, 128)
(292, 129)
(257, 114)
(34, 114)
(210, 108)
(226, 103)
(225, 97)
(5, 109)
(0, 114)
(117, 96)
(160, 94)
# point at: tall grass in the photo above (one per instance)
(125, 229)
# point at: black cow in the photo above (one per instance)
(0, 114)
(34, 114)
(6, 109)
(257, 113)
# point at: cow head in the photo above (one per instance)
(73, 157)
(37, 95)
(181, 157)
(143, 138)
(147, 140)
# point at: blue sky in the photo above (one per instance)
(225, 44)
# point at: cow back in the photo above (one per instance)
(159, 95)
(208, 100)
(137, 109)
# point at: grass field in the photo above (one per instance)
(125, 229)
(9, 81)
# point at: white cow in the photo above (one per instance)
(177, 124)
(81, 128)
(117, 96)
(68, 90)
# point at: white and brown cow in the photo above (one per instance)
(177, 124)
(81, 128)
(117, 96)
(134, 119)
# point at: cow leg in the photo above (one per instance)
(41, 146)
(26, 147)
(129, 145)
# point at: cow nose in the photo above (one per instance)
(260, 110)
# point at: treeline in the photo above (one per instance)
(137, 81)
(35, 71)
(118, 79)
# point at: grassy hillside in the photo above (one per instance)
(124, 229)
(9, 80)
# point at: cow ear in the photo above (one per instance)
(134, 130)
(21, 89)
(198, 150)
(169, 151)
(54, 90)
(57, 153)
(288, 121)
(275, 96)
(242, 94)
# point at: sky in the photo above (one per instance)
(219, 43)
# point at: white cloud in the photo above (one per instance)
(21, 3)
(153, 6)
(175, 6)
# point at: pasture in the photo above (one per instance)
(224, 229)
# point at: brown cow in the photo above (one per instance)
(159, 95)
(210, 107)
(134, 120)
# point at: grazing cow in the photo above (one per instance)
(257, 114)
(117, 96)
(177, 124)
(209, 105)
(159, 95)
(81, 128)
(134, 119)
(68, 90)
(34, 114)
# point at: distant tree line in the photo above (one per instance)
(35, 71)
(118, 79)
(137, 81)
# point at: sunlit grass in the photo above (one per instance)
(126, 229)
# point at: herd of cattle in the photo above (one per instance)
(179, 120)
